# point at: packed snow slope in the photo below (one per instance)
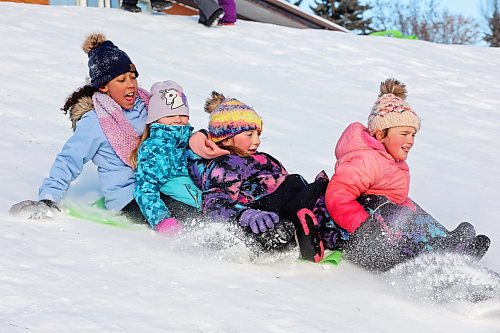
(69, 275)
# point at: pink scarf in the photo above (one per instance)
(115, 126)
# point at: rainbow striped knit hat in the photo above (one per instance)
(230, 118)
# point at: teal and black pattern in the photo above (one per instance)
(162, 168)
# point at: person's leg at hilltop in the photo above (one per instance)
(229, 7)
(131, 6)
(210, 12)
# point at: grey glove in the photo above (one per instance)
(36, 210)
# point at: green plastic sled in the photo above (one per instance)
(97, 213)
(334, 258)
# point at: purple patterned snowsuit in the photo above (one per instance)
(231, 183)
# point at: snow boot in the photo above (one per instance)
(462, 236)
(456, 240)
(478, 247)
(308, 238)
(129, 7)
(214, 18)
(277, 237)
(160, 5)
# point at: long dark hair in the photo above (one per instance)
(84, 91)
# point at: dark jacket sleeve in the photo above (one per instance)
(221, 189)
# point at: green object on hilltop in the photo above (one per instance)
(392, 33)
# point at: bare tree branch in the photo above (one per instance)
(425, 20)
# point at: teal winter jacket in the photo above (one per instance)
(162, 168)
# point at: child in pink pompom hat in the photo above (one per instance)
(367, 197)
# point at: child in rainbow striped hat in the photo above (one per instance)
(250, 188)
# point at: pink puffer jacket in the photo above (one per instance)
(363, 167)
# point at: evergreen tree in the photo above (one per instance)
(347, 13)
(493, 37)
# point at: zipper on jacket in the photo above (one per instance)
(195, 198)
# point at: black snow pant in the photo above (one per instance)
(394, 234)
(206, 8)
(293, 194)
(179, 210)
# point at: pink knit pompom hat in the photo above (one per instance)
(391, 108)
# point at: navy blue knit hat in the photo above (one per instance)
(106, 61)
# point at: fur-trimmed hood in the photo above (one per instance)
(77, 111)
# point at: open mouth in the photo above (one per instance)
(130, 97)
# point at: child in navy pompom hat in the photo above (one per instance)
(108, 116)
(106, 60)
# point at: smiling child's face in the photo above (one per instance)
(398, 142)
(247, 141)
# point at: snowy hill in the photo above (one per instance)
(67, 275)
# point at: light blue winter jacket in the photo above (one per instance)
(162, 168)
(89, 142)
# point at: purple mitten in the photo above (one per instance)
(258, 220)
(168, 226)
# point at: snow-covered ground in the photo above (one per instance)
(68, 275)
